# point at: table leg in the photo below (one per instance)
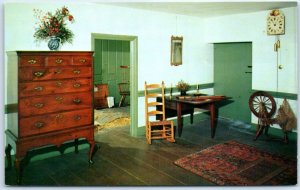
(179, 120)
(8, 156)
(192, 116)
(212, 110)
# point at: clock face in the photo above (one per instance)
(275, 25)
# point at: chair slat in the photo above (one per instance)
(155, 112)
(153, 86)
(155, 104)
(154, 95)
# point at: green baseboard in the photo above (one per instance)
(277, 133)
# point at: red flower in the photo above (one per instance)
(70, 17)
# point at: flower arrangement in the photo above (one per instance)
(54, 25)
(182, 86)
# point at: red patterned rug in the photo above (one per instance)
(232, 163)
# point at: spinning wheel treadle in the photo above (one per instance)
(263, 106)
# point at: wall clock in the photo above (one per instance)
(275, 23)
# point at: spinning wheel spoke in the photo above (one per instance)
(256, 108)
(268, 108)
(261, 98)
(269, 104)
(256, 99)
(255, 103)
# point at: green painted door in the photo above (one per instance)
(110, 56)
(233, 78)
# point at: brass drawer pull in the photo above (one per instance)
(39, 88)
(31, 61)
(59, 84)
(58, 61)
(59, 98)
(77, 117)
(77, 85)
(82, 60)
(39, 124)
(38, 73)
(59, 116)
(77, 101)
(58, 71)
(76, 71)
(39, 105)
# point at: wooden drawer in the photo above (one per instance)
(50, 73)
(55, 122)
(53, 87)
(54, 103)
(31, 61)
(59, 60)
(82, 60)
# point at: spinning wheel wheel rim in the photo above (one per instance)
(262, 98)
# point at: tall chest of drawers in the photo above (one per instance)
(55, 100)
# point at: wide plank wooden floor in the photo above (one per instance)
(122, 160)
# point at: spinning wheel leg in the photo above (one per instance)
(267, 130)
(258, 131)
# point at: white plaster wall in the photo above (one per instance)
(252, 28)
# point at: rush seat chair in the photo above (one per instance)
(155, 128)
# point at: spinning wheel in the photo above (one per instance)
(262, 99)
(263, 106)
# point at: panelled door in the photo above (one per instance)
(110, 57)
(233, 78)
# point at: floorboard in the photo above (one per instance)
(122, 160)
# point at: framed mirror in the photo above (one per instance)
(176, 50)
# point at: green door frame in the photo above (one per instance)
(133, 74)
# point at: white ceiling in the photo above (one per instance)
(206, 9)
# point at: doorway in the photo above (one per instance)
(112, 64)
(233, 78)
(133, 77)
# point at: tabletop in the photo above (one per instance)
(202, 99)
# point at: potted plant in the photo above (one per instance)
(183, 87)
(53, 27)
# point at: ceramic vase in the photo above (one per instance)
(54, 43)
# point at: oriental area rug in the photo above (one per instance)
(235, 164)
(111, 117)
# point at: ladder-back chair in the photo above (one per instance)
(157, 129)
